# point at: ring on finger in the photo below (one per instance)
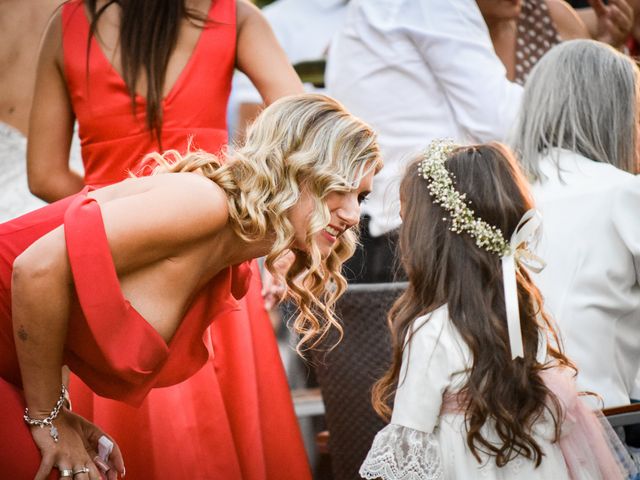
(65, 472)
(78, 471)
(101, 464)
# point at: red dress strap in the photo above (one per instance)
(109, 345)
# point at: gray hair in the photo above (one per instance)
(581, 96)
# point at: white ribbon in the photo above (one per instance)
(519, 254)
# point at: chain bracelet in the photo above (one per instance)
(48, 421)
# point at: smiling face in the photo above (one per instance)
(344, 209)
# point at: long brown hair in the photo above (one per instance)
(148, 35)
(448, 268)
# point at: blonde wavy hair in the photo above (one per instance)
(300, 143)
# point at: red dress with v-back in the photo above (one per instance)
(233, 419)
(223, 426)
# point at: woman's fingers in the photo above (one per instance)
(45, 467)
(85, 471)
(92, 435)
(598, 7)
(622, 20)
(116, 459)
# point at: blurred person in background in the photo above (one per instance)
(415, 70)
(304, 29)
(606, 20)
(579, 148)
(523, 30)
(22, 23)
(138, 87)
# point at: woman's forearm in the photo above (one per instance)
(41, 293)
(50, 186)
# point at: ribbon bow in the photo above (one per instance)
(518, 254)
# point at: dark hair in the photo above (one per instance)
(148, 35)
(448, 268)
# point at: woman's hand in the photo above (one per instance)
(274, 289)
(75, 450)
(614, 21)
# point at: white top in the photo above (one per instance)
(420, 443)
(15, 197)
(591, 243)
(418, 70)
(304, 29)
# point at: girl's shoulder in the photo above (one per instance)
(435, 329)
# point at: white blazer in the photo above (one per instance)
(591, 243)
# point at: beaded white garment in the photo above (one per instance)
(401, 453)
(15, 198)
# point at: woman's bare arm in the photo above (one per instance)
(261, 58)
(51, 123)
(141, 229)
(569, 24)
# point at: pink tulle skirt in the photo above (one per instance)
(590, 447)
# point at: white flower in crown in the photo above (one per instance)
(442, 190)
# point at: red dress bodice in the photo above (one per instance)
(112, 138)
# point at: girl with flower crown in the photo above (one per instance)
(482, 388)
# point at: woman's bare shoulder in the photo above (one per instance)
(184, 198)
(246, 11)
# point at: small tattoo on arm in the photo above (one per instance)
(22, 334)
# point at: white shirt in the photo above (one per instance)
(418, 70)
(591, 243)
(304, 29)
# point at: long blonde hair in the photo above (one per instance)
(302, 142)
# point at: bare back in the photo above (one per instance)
(107, 34)
(168, 235)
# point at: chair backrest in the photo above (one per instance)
(623, 416)
(347, 373)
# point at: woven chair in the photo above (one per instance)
(347, 373)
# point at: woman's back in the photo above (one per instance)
(197, 83)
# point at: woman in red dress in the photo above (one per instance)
(90, 78)
(121, 283)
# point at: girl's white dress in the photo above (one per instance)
(421, 443)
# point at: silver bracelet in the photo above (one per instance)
(48, 421)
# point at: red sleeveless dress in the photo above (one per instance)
(234, 418)
(219, 427)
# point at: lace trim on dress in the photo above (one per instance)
(401, 453)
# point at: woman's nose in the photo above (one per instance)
(350, 212)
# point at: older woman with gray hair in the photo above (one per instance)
(577, 138)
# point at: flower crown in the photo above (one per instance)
(440, 183)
